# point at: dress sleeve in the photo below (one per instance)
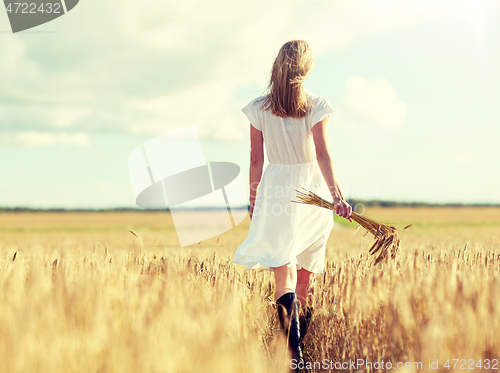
(321, 110)
(251, 114)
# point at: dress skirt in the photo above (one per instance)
(282, 232)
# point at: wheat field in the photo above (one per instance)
(80, 293)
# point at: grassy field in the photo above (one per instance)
(80, 293)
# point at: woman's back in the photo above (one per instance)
(288, 140)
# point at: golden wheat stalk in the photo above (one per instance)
(386, 238)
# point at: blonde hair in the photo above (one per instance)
(286, 97)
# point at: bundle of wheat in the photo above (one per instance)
(386, 238)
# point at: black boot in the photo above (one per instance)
(305, 321)
(288, 312)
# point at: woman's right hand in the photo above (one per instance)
(342, 208)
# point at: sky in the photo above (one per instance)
(415, 86)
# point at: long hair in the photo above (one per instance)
(286, 97)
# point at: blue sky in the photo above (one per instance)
(415, 86)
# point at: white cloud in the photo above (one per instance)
(42, 139)
(209, 106)
(153, 65)
(370, 103)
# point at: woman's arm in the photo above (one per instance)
(320, 136)
(256, 163)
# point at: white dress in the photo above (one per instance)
(281, 231)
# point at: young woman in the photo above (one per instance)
(285, 237)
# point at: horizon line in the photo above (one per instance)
(370, 203)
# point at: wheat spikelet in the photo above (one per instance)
(386, 239)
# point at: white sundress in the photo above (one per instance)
(282, 232)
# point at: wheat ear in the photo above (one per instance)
(386, 239)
